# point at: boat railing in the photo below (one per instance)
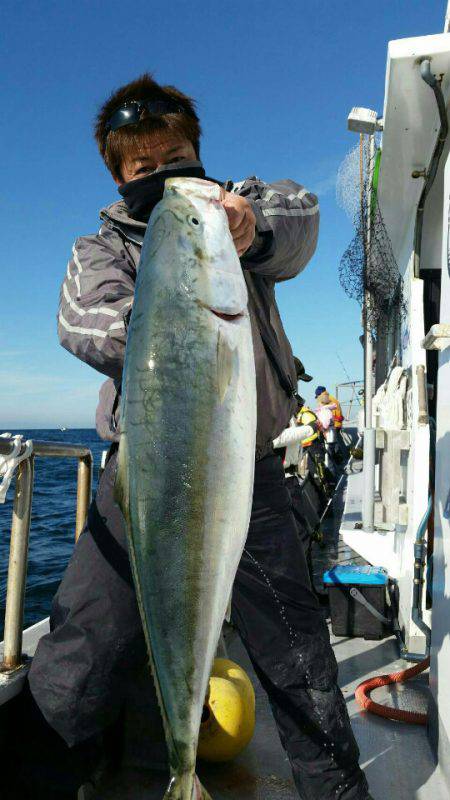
(20, 530)
(350, 396)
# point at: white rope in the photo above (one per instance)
(9, 463)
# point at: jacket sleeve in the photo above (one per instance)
(95, 301)
(293, 436)
(287, 227)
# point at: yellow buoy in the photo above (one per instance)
(229, 713)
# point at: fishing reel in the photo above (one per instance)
(318, 537)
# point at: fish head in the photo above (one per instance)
(190, 222)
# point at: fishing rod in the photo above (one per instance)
(345, 474)
(331, 498)
(343, 367)
(354, 394)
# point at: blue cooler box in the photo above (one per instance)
(358, 601)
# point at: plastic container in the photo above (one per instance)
(351, 590)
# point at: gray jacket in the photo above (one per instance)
(97, 294)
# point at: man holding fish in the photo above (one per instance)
(184, 267)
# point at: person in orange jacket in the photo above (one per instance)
(326, 400)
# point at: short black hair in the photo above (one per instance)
(115, 145)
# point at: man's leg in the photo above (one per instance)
(39, 764)
(341, 447)
(305, 514)
(284, 632)
(82, 668)
(323, 478)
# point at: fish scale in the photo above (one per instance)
(186, 454)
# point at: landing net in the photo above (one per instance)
(368, 271)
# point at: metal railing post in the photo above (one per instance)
(20, 528)
(423, 418)
(83, 493)
(18, 561)
(368, 506)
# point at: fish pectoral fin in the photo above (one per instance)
(182, 787)
(226, 358)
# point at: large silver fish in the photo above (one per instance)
(186, 456)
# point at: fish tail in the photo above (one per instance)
(204, 795)
(186, 786)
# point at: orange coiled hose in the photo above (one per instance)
(362, 695)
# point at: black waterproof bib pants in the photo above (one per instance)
(80, 671)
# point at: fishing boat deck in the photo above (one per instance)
(262, 771)
(396, 757)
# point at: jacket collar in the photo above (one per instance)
(116, 216)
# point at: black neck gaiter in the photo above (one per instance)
(142, 195)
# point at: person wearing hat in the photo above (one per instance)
(310, 493)
(304, 432)
(300, 370)
(327, 401)
(313, 446)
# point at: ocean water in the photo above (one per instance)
(52, 521)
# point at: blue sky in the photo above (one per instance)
(274, 80)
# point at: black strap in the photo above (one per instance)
(256, 288)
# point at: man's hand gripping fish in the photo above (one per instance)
(186, 456)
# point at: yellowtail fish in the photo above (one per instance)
(186, 455)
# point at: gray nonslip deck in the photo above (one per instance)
(395, 756)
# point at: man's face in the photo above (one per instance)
(157, 151)
(165, 148)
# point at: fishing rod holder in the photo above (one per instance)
(20, 530)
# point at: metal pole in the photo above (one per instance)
(60, 450)
(423, 418)
(18, 558)
(368, 367)
(83, 493)
(369, 432)
(447, 19)
(48, 449)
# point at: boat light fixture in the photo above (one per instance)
(364, 120)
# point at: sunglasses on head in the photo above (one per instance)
(130, 113)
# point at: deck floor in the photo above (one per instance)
(262, 772)
(396, 757)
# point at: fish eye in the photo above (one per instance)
(193, 221)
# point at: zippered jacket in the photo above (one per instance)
(97, 295)
(337, 412)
